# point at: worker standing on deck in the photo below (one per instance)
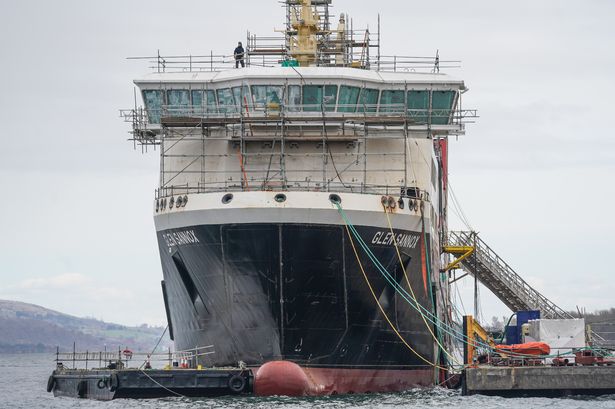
(239, 53)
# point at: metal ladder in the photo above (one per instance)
(495, 274)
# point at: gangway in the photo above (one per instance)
(478, 259)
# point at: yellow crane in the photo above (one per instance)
(474, 334)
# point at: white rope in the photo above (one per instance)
(162, 386)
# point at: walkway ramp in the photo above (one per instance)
(478, 259)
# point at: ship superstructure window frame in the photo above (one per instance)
(422, 105)
(226, 100)
(178, 101)
(204, 101)
(153, 105)
(392, 101)
(442, 104)
(264, 96)
(314, 97)
(417, 103)
(242, 97)
(367, 102)
(294, 97)
(348, 98)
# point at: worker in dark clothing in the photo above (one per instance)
(239, 53)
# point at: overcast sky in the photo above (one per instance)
(534, 175)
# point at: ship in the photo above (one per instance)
(288, 188)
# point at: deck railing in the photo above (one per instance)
(124, 358)
(220, 62)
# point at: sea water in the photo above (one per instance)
(23, 382)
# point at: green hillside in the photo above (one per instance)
(31, 328)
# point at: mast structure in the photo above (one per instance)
(309, 39)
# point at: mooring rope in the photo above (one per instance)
(162, 386)
(430, 317)
(386, 317)
(401, 263)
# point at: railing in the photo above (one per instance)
(148, 119)
(260, 184)
(121, 359)
(219, 62)
(499, 277)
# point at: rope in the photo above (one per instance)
(388, 276)
(371, 289)
(162, 386)
(401, 263)
(157, 343)
(435, 320)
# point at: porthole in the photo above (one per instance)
(171, 202)
(280, 198)
(185, 200)
(335, 199)
(164, 203)
(180, 201)
(227, 198)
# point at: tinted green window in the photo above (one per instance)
(294, 97)
(315, 95)
(242, 96)
(392, 101)
(368, 100)
(178, 102)
(210, 96)
(312, 97)
(266, 95)
(153, 105)
(259, 96)
(349, 96)
(197, 99)
(418, 105)
(225, 100)
(203, 101)
(442, 105)
(330, 97)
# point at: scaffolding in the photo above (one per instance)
(308, 39)
(284, 147)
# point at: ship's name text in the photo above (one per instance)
(408, 241)
(180, 238)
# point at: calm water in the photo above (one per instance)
(23, 379)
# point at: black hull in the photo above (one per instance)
(293, 292)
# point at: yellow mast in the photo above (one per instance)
(303, 47)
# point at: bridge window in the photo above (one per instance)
(178, 102)
(349, 97)
(294, 97)
(225, 100)
(204, 101)
(242, 96)
(368, 100)
(441, 106)
(392, 101)
(418, 105)
(266, 95)
(314, 96)
(153, 100)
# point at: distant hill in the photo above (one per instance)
(31, 328)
